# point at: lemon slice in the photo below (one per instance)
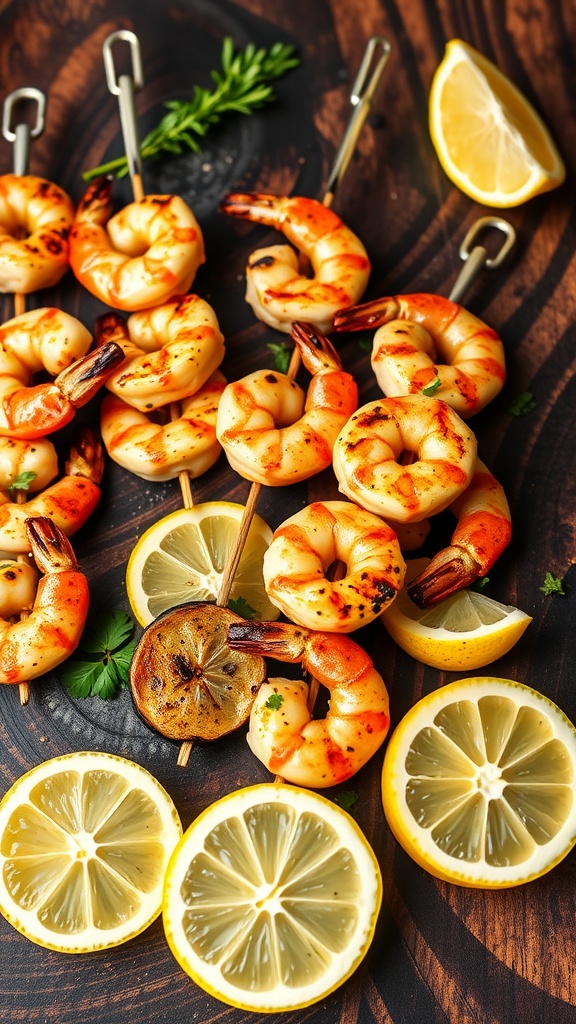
(182, 558)
(478, 783)
(84, 843)
(271, 898)
(489, 139)
(466, 631)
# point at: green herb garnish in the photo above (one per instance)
(432, 388)
(241, 607)
(274, 701)
(241, 86)
(282, 354)
(365, 344)
(552, 585)
(101, 663)
(22, 481)
(480, 583)
(522, 404)
(346, 800)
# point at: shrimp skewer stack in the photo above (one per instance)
(35, 219)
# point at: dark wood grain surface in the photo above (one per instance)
(441, 953)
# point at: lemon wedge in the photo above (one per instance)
(271, 898)
(489, 139)
(478, 783)
(182, 558)
(466, 631)
(84, 843)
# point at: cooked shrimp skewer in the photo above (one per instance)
(370, 464)
(156, 451)
(139, 258)
(427, 340)
(35, 221)
(169, 351)
(68, 502)
(39, 643)
(271, 433)
(306, 545)
(483, 532)
(283, 735)
(275, 289)
(51, 340)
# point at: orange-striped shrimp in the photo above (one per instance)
(483, 532)
(169, 351)
(373, 450)
(139, 258)
(156, 451)
(35, 221)
(427, 341)
(307, 544)
(275, 288)
(48, 339)
(48, 635)
(271, 432)
(68, 502)
(283, 735)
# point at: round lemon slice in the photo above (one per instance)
(271, 898)
(182, 558)
(478, 783)
(464, 632)
(489, 139)
(84, 843)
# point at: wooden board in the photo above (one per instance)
(440, 953)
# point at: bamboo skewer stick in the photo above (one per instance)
(20, 135)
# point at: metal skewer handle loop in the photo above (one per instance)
(476, 257)
(361, 98)
(124, 86)
(20, 132)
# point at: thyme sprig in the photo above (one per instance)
(242, 86)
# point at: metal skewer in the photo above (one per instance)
(20, 134)
(476, 257)
(125, 86)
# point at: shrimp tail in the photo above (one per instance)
(110, 327)
(367, 315)
(449, 571)
(86, 457)
(255, 206)
(318, 353)
(95, 205)
(51, 549)
(80, 381)
(278, 640)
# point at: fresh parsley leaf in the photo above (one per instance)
(432, 388)
(241, 607)
(105, 632)
(22, 481)
(282, 354)
(365, 344)
(522, 404)
(100, 666)
(346, 800)
(274, 701)
(242, 86)
(480, 583)
(552, 585)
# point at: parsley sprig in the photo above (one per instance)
(22, 481)
(100, 665)
(552, 585)
(241, 86)
(282, 355)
